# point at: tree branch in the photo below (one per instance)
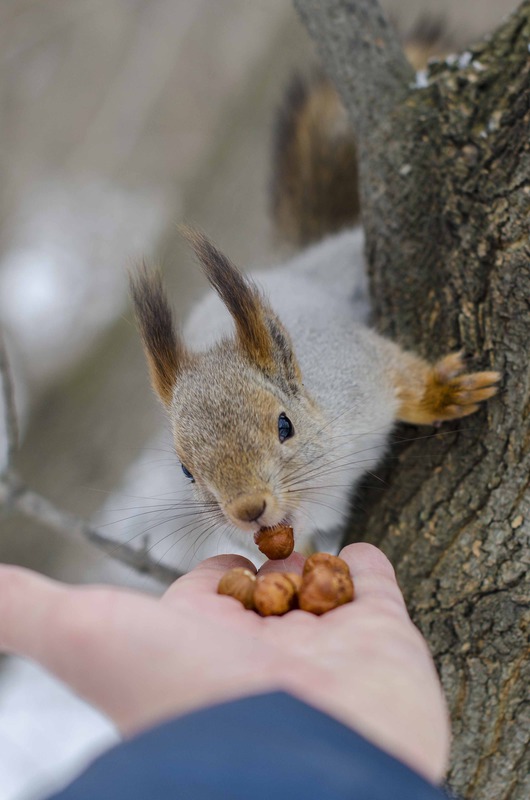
(15, 496)
(363, 56)
(8, 397)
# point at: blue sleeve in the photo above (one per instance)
(262, 747)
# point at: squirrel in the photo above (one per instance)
(279, 394)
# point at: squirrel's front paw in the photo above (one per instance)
(429, 394)
(451, 393)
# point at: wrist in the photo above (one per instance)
(381, 710)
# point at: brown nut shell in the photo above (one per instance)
(276, 543)
(239, 583)
(334, 563)
(295, 579)
(322, 590)
(274, 594)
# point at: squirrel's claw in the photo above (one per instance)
(449, 394)
(430, 395)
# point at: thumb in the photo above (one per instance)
(373, 577)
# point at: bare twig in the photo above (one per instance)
(15, 496)
(19, 498)
(8, 397)
(362, 53)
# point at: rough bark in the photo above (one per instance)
(445, 182)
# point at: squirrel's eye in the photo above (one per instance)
(187, 473)
(285, 428)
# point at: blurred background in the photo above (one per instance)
(120, 118)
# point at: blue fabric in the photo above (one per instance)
(259, 748)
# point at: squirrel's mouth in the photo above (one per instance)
(287, 520)
(253, 512)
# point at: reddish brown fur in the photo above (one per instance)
(165, 352)
(429, 394)
(240, 297)
(428, 38)
(314, 189)
(259, 332)
(260, 338)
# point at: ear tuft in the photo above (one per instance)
(164, 350)
(242, 298)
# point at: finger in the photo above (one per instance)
(373, 575)
(205, 577)
(295, 563)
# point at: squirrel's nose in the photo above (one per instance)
(247, 507)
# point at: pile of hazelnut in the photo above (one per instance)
(324, 584)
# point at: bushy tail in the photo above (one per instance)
(314, 190)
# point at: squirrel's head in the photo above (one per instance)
(245, 429)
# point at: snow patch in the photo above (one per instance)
(422, 80)
(464, 59)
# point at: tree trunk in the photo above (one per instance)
(445, 182)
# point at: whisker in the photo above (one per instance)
(167, 520)
(400, 441)
(157, 511)
(187, 530)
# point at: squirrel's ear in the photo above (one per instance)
(259, 332)
(164, 350)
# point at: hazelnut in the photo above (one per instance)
(239, 583)
(322, 590)
(275, 543)
(295, 579)
(334, 563)
(274, 594)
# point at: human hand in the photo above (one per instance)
(142, 659)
